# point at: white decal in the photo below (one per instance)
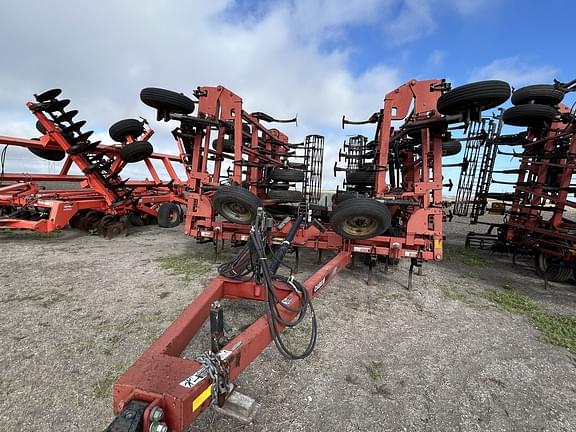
(195, 379)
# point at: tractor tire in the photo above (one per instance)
(544, 94)
(529, 115)
(227, 145)
(51, 155)
(236, 204)
(119, 130)
(287, 174)
(136, 220)
(360, 218)
(136, 151)
(286, 195)
(277, 185)
(451, 148)
(481, 95)
(361, 178)
(552, 272)
(342, 196)
(167, 100)
(298, 165)
(169, 215)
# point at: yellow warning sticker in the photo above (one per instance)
(437, 244)
(197, 403)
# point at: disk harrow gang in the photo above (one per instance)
(104, 202)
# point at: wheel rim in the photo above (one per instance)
(173, 216)
(543, 263)
(237, 211)
(359, 226)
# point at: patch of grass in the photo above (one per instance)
(455, 294)
(188, 265)
(50, 235)
(22, 234)
(374, 370)
(470, 257)
(557, 329)
(512, 301)
(102, 388)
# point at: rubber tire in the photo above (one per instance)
(480, 95)
(365, 207)
(227, 145)
(286, 195)
(163, 99)
(135, 219)
(342, 196)
(51, 155)
(238, 195)
(136, 151)
(287, 174)
(553, 273)
(361, 178)
(545, 94)
(298, 165)
(119, 130)
(451, 148)
(279, 186)
(169, 215)
(528, 115)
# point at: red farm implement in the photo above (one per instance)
(536, 221)
(391, 208)
(104, 201)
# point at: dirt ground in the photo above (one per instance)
(77, 310)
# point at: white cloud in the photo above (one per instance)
(286, 58)
(436, 58)
(516, 70)
(103, 53)
(414, 21)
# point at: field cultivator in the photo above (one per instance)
(391, 208)
(104, 201)
(536, 219)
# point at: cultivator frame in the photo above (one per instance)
(254, 154)
(535, 221)
(162, 390)
(402, 167)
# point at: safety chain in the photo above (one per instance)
(218, 370)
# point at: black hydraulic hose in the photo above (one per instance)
(273, 302)
(281, 251)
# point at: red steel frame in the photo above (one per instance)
(421, 172)
(526, 224)
(265, 146)
(422, 182)
(63, 205)
(157, 376)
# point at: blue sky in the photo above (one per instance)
(319, 59)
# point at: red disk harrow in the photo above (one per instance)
(104, 201)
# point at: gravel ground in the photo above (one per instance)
(76, 310)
